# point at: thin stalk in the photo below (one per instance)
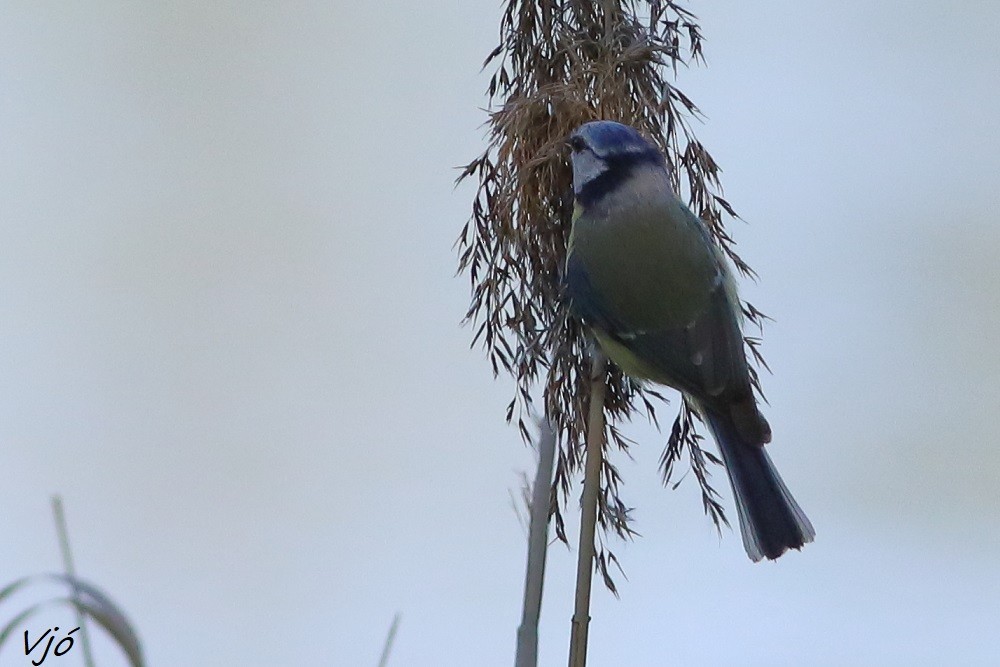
(62, 532)
(588, 513)
(384, 660)
(538, 540)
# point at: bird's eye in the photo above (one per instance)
(576, 143)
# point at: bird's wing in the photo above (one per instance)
(694, 345)
(704, 358)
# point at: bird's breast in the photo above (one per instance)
(646, 262)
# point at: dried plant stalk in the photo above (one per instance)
(538, 542)
(588, 512)
(559, 64)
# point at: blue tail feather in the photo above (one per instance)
(771, 522)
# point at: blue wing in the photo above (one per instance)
(704, 359)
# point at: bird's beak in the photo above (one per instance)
(572, 142)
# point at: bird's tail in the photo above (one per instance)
(771, 522)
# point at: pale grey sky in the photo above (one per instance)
(230, 337)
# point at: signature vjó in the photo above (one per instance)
(58, 651)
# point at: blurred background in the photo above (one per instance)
(230, 338)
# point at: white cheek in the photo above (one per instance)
(586, 167)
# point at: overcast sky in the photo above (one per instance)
(230, 338)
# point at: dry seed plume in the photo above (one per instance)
(561, 63)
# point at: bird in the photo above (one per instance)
(645, 277)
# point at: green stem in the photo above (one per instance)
(62, 532)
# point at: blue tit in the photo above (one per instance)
(643, 273)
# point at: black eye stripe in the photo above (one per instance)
(620, 168)
(577, 144)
